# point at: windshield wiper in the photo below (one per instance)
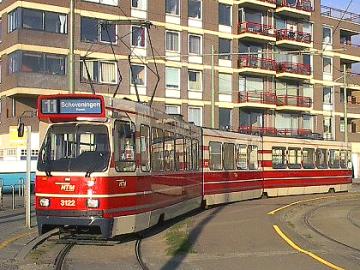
(47, 160)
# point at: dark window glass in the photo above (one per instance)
(108, 32)
(157, 150)
(32, 62)
(224, 14)
(229, 156)
(124, 146)
(179, 153)
(224, 118)
(138, 36)
(145, 148)
(169, 151)
(279, 157)
(55, 22)
(308, 158)
(55, 65)
(195, 154)
(92, 68)
(321, 158)
(194, 10)
(334, 159)
(215, 161)
(172, 7)
(343, 159)
(32, 19)
(224, 48)
(89, 29)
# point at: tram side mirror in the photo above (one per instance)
(21, 128)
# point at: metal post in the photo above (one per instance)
(13, 196)
(28, 180)
(71, 70)
(212, 87)
(345, 107)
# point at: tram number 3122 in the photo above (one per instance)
(68, 203)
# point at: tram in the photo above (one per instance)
(116, 166)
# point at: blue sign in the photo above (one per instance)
(80, 106)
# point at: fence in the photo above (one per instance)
(16, 189)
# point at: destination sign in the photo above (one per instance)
(71, 106)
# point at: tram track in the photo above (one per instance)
(139, 255)
(60, 258)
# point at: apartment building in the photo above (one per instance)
(277, 66)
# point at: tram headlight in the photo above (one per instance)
(91, 203)
(44, 202)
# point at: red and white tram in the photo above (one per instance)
(122, 167)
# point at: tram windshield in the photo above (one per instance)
(75, 148)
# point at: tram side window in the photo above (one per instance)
(228, 156)
(321, 158)
(124, 146)
(308, 158)
(215, 161)
(145, 148)
(334, 159)
(253, 157)
(241, 157)
(349, 162)
(294, 156)
(188, 161)
(279, 157)
(157, 149)
(179, 153)
(195, 154)
(169, 151)
(343, 159)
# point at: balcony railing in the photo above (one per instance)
(256, 28)
(304, 5)
(296, 68)
(258, 97)
(340, 14)
(286, 34)
(298, 101)
(253, 61)
(273, 99)
(271, 131)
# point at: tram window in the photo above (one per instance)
(349, 161)
(253, 157)
(334, 159)
(308, 158)
(321, 158)
(188, 162)
(169, 151)
(157, 149)
(241, 157)
(145, 148)
(195, 154)
(294, 158)
(279, 157)
(179, 153)
(343, 159)
(215, 161)
(124, 146)
(228, 156)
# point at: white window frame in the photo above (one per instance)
(179, 78)
(179, 38)
(145, 37)
(231, 15)
(145, 77)
(201, 80)
(201, 11)
(143, 5)
(102, 2)
(107, 42)
(100, 72)
(331, 65)
(201, 44)
(178, 108)
(331, 35)
(201, 113)
(177, 15)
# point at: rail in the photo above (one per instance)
(340, 14)
(258, 130)
(271, 131)
(286, 34)
(290, 100)
(21, 189)
(297, 68)
(253, 61)
(257, 97)
(256, 28)
(273, 99)
(304, 5)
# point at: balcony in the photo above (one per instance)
(272, 101)
(271, 131)
(252, 31)
(297, 71)
(254, 65)
(257, 4)
(295, 8)
(340, 14)
(293, 39)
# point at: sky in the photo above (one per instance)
(342, 4)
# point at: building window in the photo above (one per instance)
(225, 83)
(172, 41)
(139, 4)
(138, 75)
(327, 35)
(224, 48)
(224, 118)
(138, 36)
(93, 30)
(172, 109)
(172, 77)
(327, 125)
(194, 9)
(37, 20)
(172, 7)
(195, 80)
(328, 95)
(224, 14)
(105, 2)
(195, 115)
(37, 63)
(327, 65)
(99, 71)
(0, 30)
(195, 46)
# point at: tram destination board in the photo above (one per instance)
(71, 106)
